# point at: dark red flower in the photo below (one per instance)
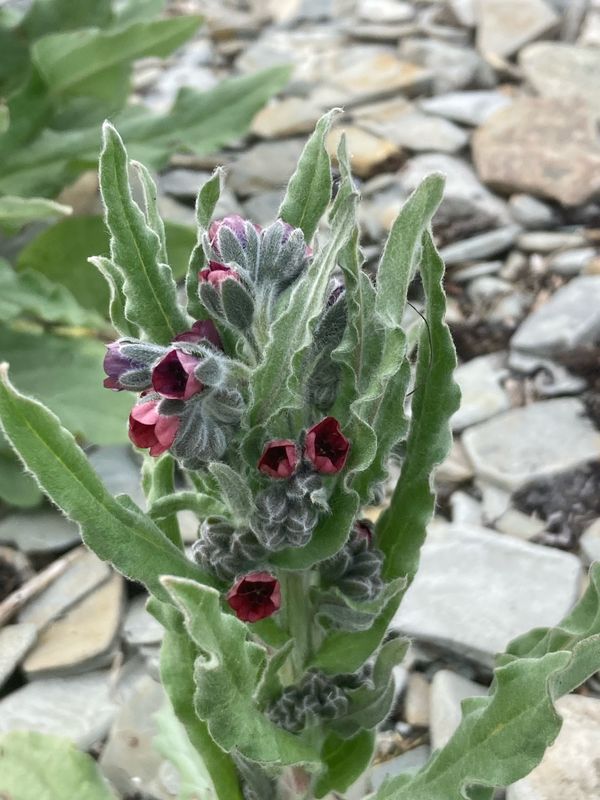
(173, 376)
(279, 458)
(216, 273)
(202, 329)
(115, 365)
(147, 428)
(326, 447)
(255, 596)
(363, 529)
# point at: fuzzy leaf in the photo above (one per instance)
(400, 530)
(84, 61)
(177, 656)
(18, 211)
(309, 190)
(344, 761)
(34, 766)
(206, 202)
(502, 737)
(234, 490)
(121, 535)
(150, 291)
(153, 217)
(203, 505)
(227, 674)
(16, 487)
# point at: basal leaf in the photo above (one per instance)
(34, 766)
(77, 62)
(127, 538)
(18, 211)
(401, 529)
(16, 487)
(309, 190)
(150, 291)
(227, 674)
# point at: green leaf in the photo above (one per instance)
(18, 211)
(226, 676)
(50, 16)
(172, 742)
(137, 11)
(153, 217)
(270, 685)
(206, 201)
(86, 61)
(177, 657)
(16, 487)
(150, 291)
(201, 504)
(61, 253)
(344, 761)
(31, 294)
(34, 766)
(119, 534)
(234, 490)
(66, 374)
(4, 118)
(309, 190)
(400, 530)
(502, 737)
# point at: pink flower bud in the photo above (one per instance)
(255, 596)
(278, 459)
(216, 273)
(326, 447)
(148, 429)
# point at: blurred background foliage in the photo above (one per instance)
(66, 66)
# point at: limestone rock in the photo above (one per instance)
(15, 641)
(416, 702)
(477, 590)
(367, 151)
(83, 639)
(569, 768)
(453, 66)
(569, 319)
(560, 70)
(589, 543)
(542, 146)
(41, 531)
(482, 395)
(267, 165)
(538, 440)
(288, 117)
(140, 627)
(468, 108)
(483, 245)
(504, 26)
(448, 690)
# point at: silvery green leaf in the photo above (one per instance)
(234, 490)
(206, 202)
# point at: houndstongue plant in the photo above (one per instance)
(270, 402)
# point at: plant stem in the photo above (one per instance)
(295, 588)
(161, 483)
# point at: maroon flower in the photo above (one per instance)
(216, 273)
(326, 447)
(147, 428)
(363, 529)
(116, 364)
(202, 329)
(255, 596)
(278, 459)
(173, 376)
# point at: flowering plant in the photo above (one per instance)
(276, 396)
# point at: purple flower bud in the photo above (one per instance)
(326, 447)
(115, 364)
(148, 429)
(278, 459)
(363, 529)
(255, 596)
(202, 329)
(127, 364)
(236, 224)
(173, 376)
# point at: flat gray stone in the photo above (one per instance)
(542, 146)
(477, 590)
(465, 509)
(569, 768)
(530, 212)
(572, 262)
(43, 531)
(119, 470)
(267, 165)
(408, 762)
(482, 395)
(182, 182)
(589, 543)
(79, 708)
(538, 440)
(549, 241)
(129, 759)
(504, 26)
(288, 117)
(140, 627)
(467, 206)
(82, 576)
(480, 270)
(385, 11)
(557, 69)
(416, 131)
(469, 108)
(453, 66)
(570, 318)
(15, 641)
(416, 702)
(483, 245)
(464, 11)
(83, 639)
(448, 690)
